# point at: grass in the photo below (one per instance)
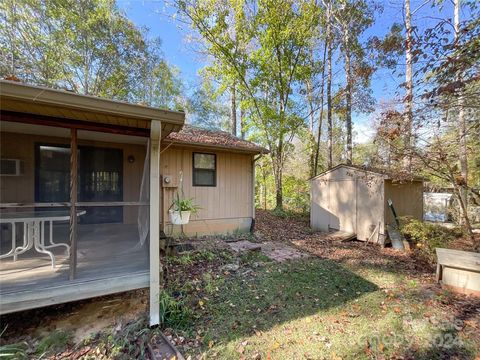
(317, 308)
(53, 342)
(310, 308)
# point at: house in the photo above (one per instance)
(355, 200)
(86, 223)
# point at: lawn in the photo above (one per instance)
(344, 301)
(317, 308)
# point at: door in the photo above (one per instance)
(100, 179)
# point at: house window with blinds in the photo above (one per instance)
(204, 169)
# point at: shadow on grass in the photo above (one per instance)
(279, 293)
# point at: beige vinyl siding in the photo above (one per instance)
(407, 199)
(225, 208)
(231, 198)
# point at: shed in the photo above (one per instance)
(354, 199)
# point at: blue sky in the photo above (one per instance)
(158, 18)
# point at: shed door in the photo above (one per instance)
(343, 205)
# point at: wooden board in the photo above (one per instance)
(458, 259)
(338, 235)
(459, 270)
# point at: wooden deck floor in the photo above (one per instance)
(109, 260)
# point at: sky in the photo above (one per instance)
(158, 17)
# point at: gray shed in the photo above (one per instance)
(354, 200)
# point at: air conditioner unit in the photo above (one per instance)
(11, 167)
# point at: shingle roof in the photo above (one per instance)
(193, 135)
(388, 174)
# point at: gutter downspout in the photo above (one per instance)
(254, 160)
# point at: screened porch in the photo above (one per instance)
(51, 251)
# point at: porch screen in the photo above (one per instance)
(111, 208)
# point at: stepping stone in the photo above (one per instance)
(244, 245)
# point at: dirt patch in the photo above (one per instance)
(82, 318)
(244, 245)
(296, 231)
(281, 252)
(276, 251)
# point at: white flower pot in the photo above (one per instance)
(179, 218)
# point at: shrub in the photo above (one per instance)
(55, 341)
(173, 313)
(427, 236)
(13, 351)
(296, 194)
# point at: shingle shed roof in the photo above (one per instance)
(192, 135)
(398, 176)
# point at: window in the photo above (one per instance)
(204, 169)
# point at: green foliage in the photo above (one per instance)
(190, 257)
(53, 342)
(173, 313)
(212, 283)
(263, 47)
(89, 47)
(296, 194)
(13, 351)
(184, 205)
(427, 236)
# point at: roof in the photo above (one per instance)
(387, 174)
(195, 136)
(61, 104)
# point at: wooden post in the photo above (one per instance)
(155, 136)
(73, 203)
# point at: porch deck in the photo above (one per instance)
(110, 260)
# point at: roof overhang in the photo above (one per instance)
(179, 143)
(64, 106)
(375, 173)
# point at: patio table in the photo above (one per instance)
(34, 231)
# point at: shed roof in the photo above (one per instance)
(387, 174)
(195, 136)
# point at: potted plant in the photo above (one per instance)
(181, 209)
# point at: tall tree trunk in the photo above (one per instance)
(462, 137)
(320, 120)
(408, 101)
(264, 192)
(329, 90)
(233, 110)
(462, 127)
(311, 136)
(242, 120)
(348, 94)
(278, 175)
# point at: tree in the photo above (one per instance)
(329, 84)
(408, 99)
(278, 36)
(449, 76)
(89, 47)
(462, 129)
(353, 18)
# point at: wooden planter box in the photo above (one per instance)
(459, 270)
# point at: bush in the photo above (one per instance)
(425, 237)
(296, 194)
(55, 341)
(173, 313)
